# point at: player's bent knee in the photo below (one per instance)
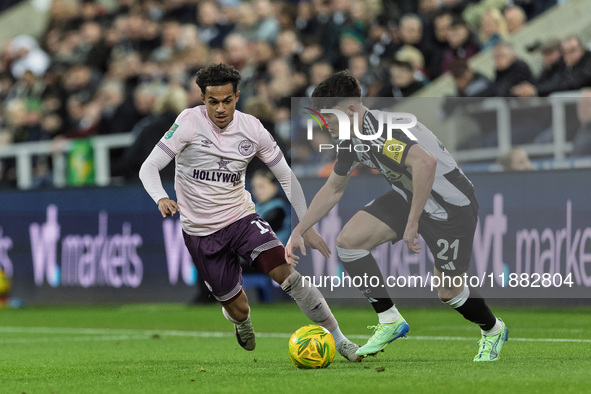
(281, 273)
(446, 294)
(346, 240)
(238, 306)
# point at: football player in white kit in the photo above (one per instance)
(212, 145)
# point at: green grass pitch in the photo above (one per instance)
(172, 348)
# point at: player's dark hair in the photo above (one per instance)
(217, 75)
(330, 91)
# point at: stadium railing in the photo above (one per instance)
(24, 153)
(505, 109)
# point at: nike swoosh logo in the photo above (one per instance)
(240, 341)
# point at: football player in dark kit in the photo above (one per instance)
(430, 196)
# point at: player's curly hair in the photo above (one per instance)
(217, 75)
(333, 89)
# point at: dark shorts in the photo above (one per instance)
(450, 240)
(216, 256)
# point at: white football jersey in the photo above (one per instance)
(211, 165)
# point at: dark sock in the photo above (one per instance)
(476, 311)
(367, 266)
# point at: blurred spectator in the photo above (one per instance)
(270, 206)
(267, 25)
(402, 81)
(6, 83)
(441, 22)
(28, 87)
(509, 71)
(171, 30)
(552, 72)
(246, 21)
(456, 7)
(515, 19)
(577, 59)
(427, 9)
(382, 40)
(462, 42)
(211, 30)
(84, 116)
(469, 83)
(360, 69)
(474, 11)
(516, 159)
(287, 14)
(263, 110)
(21, 124)
(132, 110)
(533, 8)
(111, 95)
(350, 44)
(25, 55)
(493, 29)
(413, 56)
(318, 73)
(167, 108)
(333, 25)
(99, 71)
(94, 46)
(237, 51)
(81, 80)
(582, 140)
(575, 75)
(412, 33)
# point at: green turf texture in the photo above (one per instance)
(173, 348)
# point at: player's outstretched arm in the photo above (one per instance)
(150, 177)
(423, 166)
(326, 198)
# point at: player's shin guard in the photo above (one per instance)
(310, 300)
(359, 263)
(473, 307)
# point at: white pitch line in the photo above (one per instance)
(73, 339)
(122, 334)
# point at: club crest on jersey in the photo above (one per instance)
(171, 131)
(246, 147)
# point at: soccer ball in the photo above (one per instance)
(311, 347)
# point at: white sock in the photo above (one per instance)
(495, 330)
(231, 319)
(310, 300)
(389, 316)
(338, 336)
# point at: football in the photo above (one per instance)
(311, 347)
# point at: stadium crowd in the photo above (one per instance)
(130, 69)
